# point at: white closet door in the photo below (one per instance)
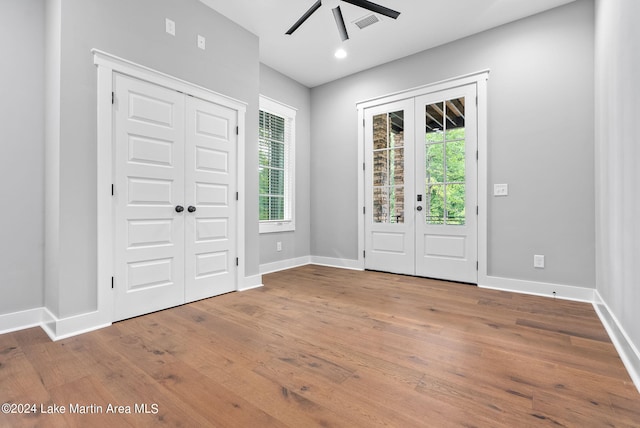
(149, 185)
(210, 160)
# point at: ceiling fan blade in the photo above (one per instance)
(304, 17)
(342, 29)
(374, 8)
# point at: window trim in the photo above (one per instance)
(272, 106)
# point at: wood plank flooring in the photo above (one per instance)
(331, 348)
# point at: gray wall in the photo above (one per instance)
(540, 138)
(53, 22)
(294, 244)
(135, 30)
(617, 160)
(21, 155)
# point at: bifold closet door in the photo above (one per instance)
(149, 194)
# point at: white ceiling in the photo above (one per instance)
(308, 55)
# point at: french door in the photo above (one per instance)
(389, 174)
(421, 186)
(174, 194)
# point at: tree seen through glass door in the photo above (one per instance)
(445, 162)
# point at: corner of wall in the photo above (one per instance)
(629, 354)
(53, 22)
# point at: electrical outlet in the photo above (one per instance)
(278, 246)
(538, 261)
(201, 42)
(170, 26)
(500, 190)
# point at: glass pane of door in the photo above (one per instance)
(388, 168)
(445, 162)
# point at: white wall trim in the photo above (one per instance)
(453, 82)
(361, 189)
(62, 328)
(250, 282)
(337, 263)
(544, 289)
(482, 180)
(284, 264)
(55, 328)
(21, 320)
(112, 62)
(310, 260)
(629, 354)
(241, 204)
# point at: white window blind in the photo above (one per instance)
(276, 173)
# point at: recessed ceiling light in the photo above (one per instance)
(341, 53)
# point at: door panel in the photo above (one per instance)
(210, 230)
(446, 171)
(389, 139)
(149, 233)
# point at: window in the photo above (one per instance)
(276, 144)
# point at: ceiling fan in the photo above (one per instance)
(337, 15)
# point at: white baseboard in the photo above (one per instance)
(284, 264)
(628, 352)
(250, 282)
(565, 292)
(308, 260)
(337, 263)
(21, 320)
(62, 328)
(55, 328)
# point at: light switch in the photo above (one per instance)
(170, 26)
(201, 42)
(500, 190)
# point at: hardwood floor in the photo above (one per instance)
(334, 348)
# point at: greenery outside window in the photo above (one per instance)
(276, 144)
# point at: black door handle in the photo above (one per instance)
(419, 208)
(191, 208)
(179, 208)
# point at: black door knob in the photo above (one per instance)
(419, 208)
(191, 208)
(179, 208)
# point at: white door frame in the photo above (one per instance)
(480, 80)
(107, 65)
